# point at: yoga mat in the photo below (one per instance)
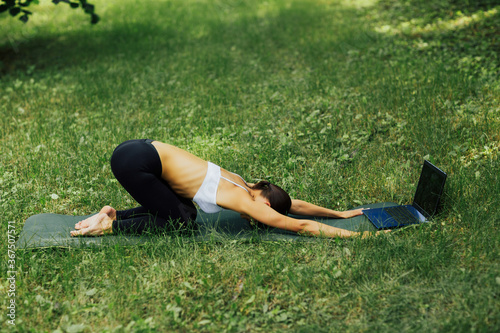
(53, 230)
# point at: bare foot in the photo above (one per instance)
(98, 226)
(85, 223)
(108, 210)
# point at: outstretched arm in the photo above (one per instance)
(265, 214)
(300, 207)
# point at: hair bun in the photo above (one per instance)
(263, 184)
(280, 200)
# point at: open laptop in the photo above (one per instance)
(425, 202)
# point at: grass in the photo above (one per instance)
(336, 101)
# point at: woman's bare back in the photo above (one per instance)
(183, 171)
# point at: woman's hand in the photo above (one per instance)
(351, 213)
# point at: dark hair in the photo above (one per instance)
(280, 200)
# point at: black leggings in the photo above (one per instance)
(137, 166)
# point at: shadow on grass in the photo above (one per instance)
(211, 41)
(64, 50)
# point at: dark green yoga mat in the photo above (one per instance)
(53, 230)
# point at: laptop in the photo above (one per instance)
(425, 202)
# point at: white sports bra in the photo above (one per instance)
(206, 197)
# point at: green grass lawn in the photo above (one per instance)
(339, 102)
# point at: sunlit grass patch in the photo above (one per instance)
(419, 26)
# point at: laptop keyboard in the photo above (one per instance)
(401, 215)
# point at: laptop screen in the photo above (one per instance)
(429, 189)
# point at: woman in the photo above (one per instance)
(164, 179)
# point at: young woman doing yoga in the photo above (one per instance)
(165, 180)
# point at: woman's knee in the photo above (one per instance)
(188, 211)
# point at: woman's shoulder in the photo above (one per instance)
(233, 197)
